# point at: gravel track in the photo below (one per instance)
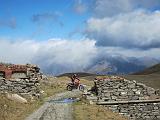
(53, 110)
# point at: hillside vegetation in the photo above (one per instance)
(151, 70)
(149, 76)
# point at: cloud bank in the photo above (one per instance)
(103, 8)
(137, 29)
(54, 55)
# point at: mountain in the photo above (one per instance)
(120, 65)
(79, 74)
(102, 65)
(151, 70)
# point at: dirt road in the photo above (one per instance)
(55, 108)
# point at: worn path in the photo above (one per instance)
(51, 110)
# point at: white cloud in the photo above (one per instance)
(17, 52)
(113, 51)
(80, 7)
(54, 55)
(105, 8)
(66, 56)
(137, 29)
(57, 56)
(111, 7)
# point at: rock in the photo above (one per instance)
(16, 97)
(138, 92)
(91, 102)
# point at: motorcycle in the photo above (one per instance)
(71, 86)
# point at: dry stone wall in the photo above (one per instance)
(138, 111)
(122, 89)
(129, 98)
(23, 87)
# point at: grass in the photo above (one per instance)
(54, 85)
(11, 110)
(84, 111)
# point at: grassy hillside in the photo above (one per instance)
(151, 80)
(149, 76)
(151, 70)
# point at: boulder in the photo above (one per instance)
(16, 97)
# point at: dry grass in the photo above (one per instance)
(86, 82)
(54, 85)
(84, 111)
(152, 80)
(11, 110)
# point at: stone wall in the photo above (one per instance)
(23, 87)
(122, 89)
(138, 111)
(18, 75)
(129, 98)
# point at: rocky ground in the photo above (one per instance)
(54, 110)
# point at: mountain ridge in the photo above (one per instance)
(155, 69)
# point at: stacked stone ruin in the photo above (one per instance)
(134, 100)
(25, 85)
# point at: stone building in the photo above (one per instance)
(12, 71)
(23, 80)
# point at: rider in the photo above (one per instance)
(75, 80)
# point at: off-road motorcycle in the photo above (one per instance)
(71, 86)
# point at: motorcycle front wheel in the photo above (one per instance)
(81, 87)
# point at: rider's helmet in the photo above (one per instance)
(75, 75)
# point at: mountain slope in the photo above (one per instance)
(151, 70)
(120, 65)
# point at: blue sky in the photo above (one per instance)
(70, 35)
(20, 13)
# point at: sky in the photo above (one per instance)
(41, 19)
(68, 35)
